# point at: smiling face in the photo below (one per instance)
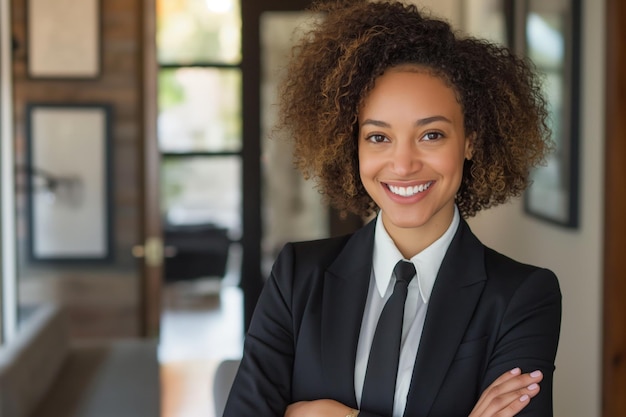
(412, 146)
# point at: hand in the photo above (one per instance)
(508, 394)
(318, 408)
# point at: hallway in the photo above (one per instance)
(202, 324)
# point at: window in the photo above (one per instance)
(200, 122)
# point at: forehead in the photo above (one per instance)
(422, 69)
(410, 86)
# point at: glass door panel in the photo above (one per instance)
(292, 208)
(199, 109)
(198, 31)
(202, 190)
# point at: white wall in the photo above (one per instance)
(450, 10)
(575, 256)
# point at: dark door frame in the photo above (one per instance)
(614, 306)
(151, 275)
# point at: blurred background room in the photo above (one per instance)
(144, 194)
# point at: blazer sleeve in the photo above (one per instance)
(528, 337)
(262, 386)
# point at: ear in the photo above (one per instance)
(469, 146)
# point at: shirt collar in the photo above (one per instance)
(386, 255)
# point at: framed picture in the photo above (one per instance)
(63, 39)
(548, 32)
(69, 182)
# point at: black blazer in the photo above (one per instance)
(487, 314)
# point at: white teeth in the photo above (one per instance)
(409, 191)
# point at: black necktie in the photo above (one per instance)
(382, 365)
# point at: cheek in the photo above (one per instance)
(369, 166)
(451, 166)
(364, 164)
(367, 173)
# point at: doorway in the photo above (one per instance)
(222, 218)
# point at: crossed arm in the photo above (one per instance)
(505, 397)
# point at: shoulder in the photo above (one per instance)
(480, 262)
(299, 258)
(502, 264)
(508, 274)
(299, 270)
(322, 253)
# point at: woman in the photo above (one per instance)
(394, 114)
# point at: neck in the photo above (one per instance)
(412, 240)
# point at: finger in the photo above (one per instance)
(516, 383)
(293, 409)
(512, 402)
(507, 376)
(508, 404)
(509, 409)
(484, 399)
(512, 382)
(516, 404)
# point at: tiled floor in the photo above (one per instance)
(202, 324)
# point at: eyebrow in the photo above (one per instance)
(418, 123)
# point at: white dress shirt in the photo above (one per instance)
(427, 264)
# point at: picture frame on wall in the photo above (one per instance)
(63, 39)
(69, 182)
(548, 32)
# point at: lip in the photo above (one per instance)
(407, 193)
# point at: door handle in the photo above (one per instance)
(151, 252)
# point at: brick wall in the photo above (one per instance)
(102, 300)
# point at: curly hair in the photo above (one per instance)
(334, 67)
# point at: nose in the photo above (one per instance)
(406, 158)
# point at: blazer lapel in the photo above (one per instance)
(346, 284)
(459, 284)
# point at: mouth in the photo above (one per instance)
(409, 191)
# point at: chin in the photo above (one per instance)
(409, 222)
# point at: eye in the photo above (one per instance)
(432, 136)
(376, 138)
